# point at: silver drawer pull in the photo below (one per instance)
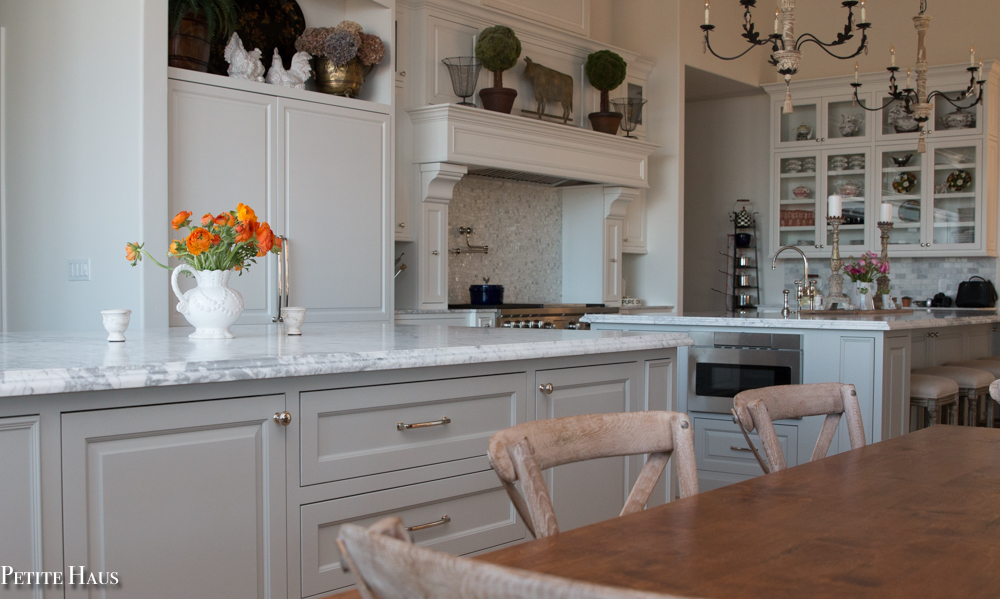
(734, 448)
(444, 520)
(404, 427)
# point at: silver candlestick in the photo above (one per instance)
(883, 280)
(836, 280)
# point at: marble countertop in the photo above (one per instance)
(919, 319)
(59, 362)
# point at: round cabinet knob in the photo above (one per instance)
(546, 388)
(282, 418)
(402, 73)
(402, 225)
(625, 240)
(613, 260)
(434, 252)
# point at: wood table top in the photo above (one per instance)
(914, 516)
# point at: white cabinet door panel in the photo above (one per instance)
(434, 256)
(335, 191)
(222, 152)
(182, 500)
(20, 541)
(613, 261)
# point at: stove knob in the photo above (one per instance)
(520, 324)
(572, 326)
(548, 325)
(508, 325)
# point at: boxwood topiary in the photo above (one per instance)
(605, 71)
(498, 49)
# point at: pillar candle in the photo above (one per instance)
(856, 67)
(885, 213)
(892, 55)
(972, 56)
(706, 12)
(863, 11)
(776, 12)
(835, 206)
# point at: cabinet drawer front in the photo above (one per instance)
(715, 441)
(347, 433)
(481, 516)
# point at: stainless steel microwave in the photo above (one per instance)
(722, 364)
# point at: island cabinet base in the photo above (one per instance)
(201, 491)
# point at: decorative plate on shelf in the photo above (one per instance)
(909, 211)
(264, 24)
(905, 183)
(959, 180)
(802, 192)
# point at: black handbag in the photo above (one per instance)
(976, 294)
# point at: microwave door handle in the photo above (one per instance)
(750, 444)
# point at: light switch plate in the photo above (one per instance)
(79, 270)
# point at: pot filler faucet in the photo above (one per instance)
(799, 290)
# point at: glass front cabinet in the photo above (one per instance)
(944, 201)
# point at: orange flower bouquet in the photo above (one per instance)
(229, 241)
(210, 252)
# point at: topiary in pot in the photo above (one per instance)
(194, 24)
(498, 50)
(605, 71)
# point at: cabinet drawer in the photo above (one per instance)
(715, 441)
(347, 433)
(481, 517)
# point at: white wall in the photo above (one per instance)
(726, 157)
(75, 147)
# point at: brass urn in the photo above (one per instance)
(344, 80)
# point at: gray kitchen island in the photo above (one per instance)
(874, 353)
(223, 468)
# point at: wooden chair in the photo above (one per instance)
(759, 408)
(521, 452)
(387, 565)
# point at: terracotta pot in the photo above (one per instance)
(191, 46)
(606, 122)
(498, 99)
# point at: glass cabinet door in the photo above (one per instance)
(901, 185)
(799, 128)
(846, 176)
(950, 120)
(798, 199)
(846, 122)
(955, 192)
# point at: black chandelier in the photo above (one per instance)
(917, 104)
(786, 49)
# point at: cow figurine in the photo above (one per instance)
(550, 86)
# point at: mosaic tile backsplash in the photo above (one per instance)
(522, 224)
(919, 278)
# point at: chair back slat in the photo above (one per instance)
(522, 452)
(389, 568)
(759, 408)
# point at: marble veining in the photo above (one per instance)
(37, 363)
(917, 320)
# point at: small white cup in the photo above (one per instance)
(115, 323)
(293, 319)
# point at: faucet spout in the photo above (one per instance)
(805, 261)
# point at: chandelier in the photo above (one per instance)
(917, 103)
(786, 49)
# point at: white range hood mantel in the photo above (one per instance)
(473, 137)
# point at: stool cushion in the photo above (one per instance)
(925, 386)
(995, 390)
(990, 366)
(967, 378)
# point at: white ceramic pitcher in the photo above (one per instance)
(211, 307)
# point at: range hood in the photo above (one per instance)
(516, 148)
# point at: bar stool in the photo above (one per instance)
(973, 385)
(991, 366)
(933, 395)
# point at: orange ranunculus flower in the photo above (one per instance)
(245, 214)
(265, 239)
(130, 254)
(180, 219)
(244, 231)
(206, 220)
(176, 247)
(216, 240)
(238, 267)
(198, 241)
(225, 219)
(277, 242)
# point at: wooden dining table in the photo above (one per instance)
(916, 516)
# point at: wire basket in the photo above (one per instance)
(631, 110)
(464, 71)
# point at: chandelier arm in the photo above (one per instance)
(808, 37)
(956, 103)
(861, 103)
(708, 45)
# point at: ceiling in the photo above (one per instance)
(701, 85)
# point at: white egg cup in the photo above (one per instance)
(116, 323)
(293, 319)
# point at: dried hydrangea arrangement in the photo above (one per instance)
(342, 44)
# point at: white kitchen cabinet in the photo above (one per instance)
(434, 256)
(613, 256)
(319, 172)
(592, 271)
(20, 499)
(182, 500)
(404, 228)
(634, 230)
(930, 220)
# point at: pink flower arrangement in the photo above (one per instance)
(867, 268)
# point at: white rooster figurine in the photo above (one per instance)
(294, 77)
(243, 64)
